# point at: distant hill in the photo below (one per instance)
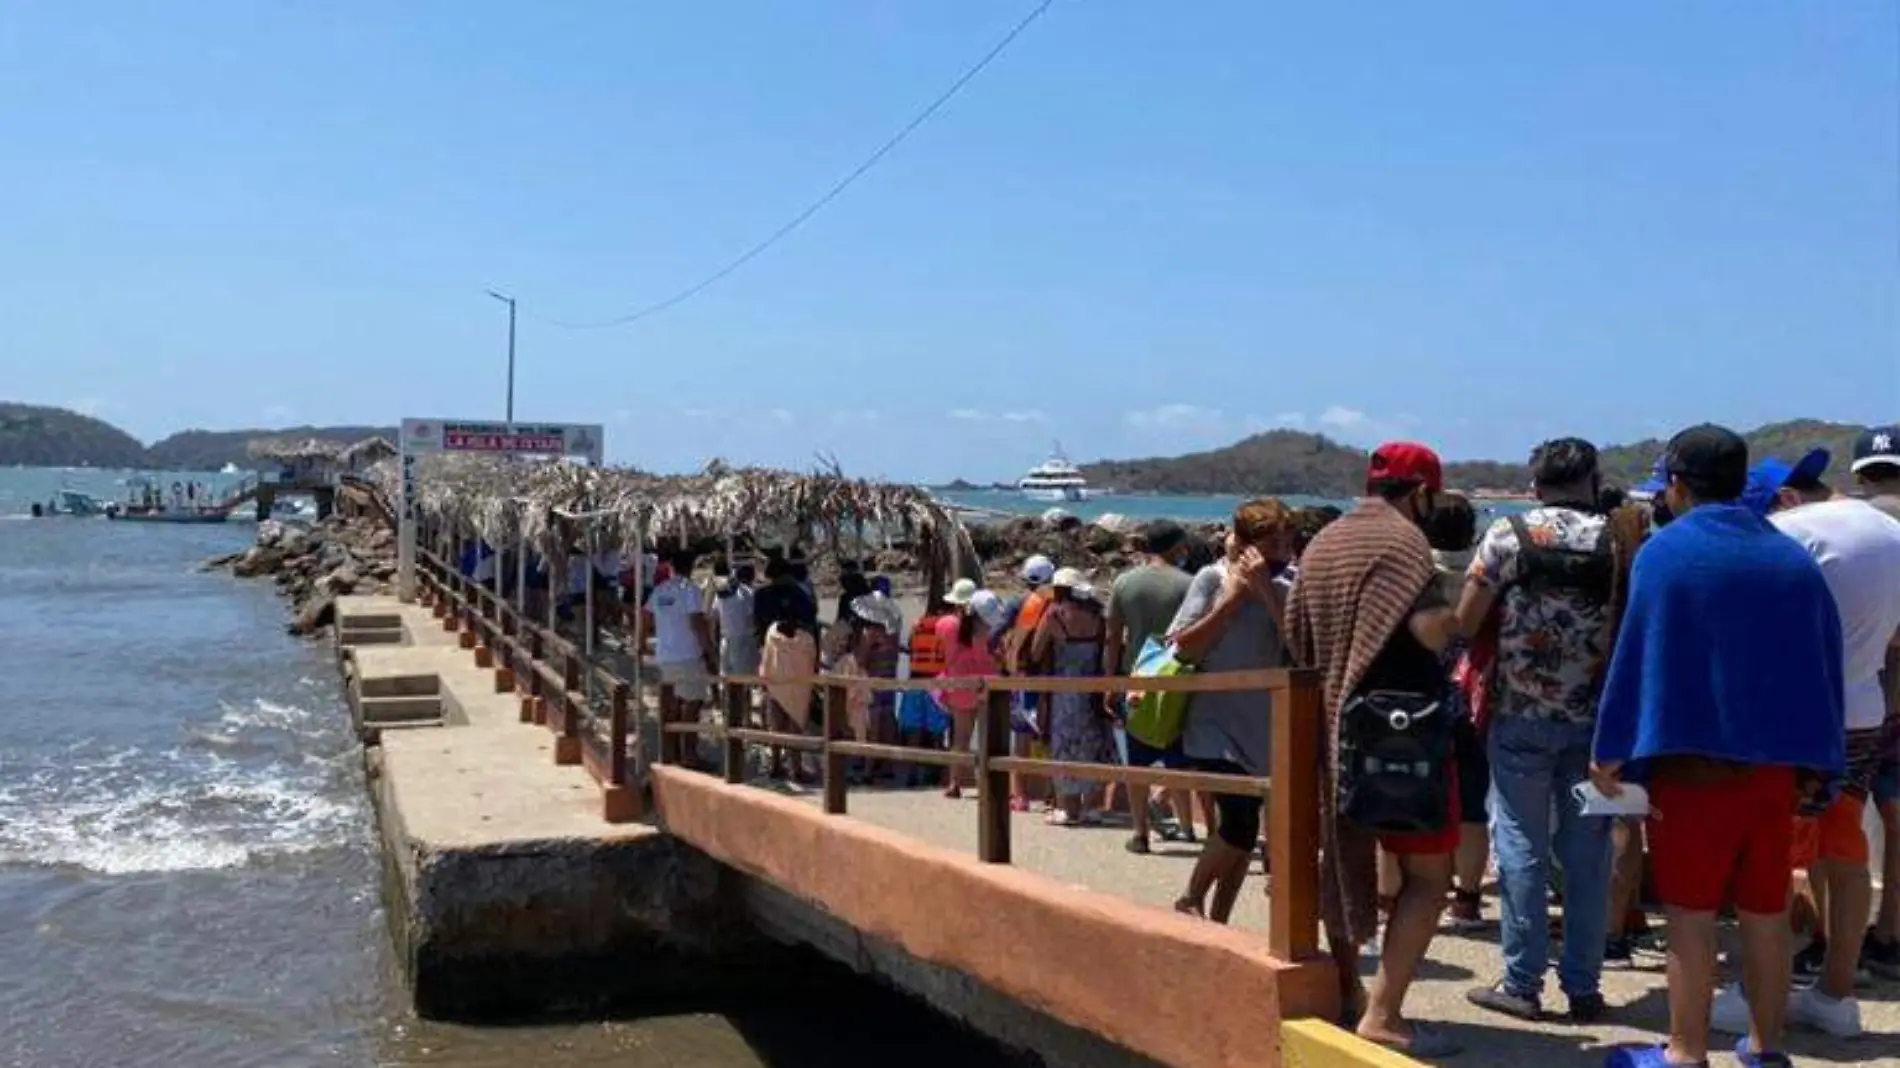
(1284, 462)
(209, 450)
(54, 437)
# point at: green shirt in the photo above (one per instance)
(1145, 601)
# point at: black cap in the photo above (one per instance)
(1712, 460)
(1877, 445)
(1162, 537)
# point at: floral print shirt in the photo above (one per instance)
(1551, 644)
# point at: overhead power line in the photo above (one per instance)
(830, 195)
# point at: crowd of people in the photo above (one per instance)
(1684, 694)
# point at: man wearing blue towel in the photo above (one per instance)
(1725, 693)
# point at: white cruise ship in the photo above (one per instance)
(1055, 479)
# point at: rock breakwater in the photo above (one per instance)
(314, 565)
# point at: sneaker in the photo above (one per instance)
(1812, 958)
(1620, 953)
(1839, 1017)
(1750, 1059)
(1466, 915)
(1646, 1057)
(1730, 1014)
(1880, 958)
(1588, 1008)
(1498, 999)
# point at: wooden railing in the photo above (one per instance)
(548, 671)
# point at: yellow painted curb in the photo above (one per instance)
(1317, 1044)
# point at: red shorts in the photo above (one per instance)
(1721, 841)
(1430, 843)
(1836, 834)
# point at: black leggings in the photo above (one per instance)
(1239, 814)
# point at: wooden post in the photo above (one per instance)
(1299, 749)
(668, 754)
(567, 744)
(835, 698)
(531, 678)
(992, 797)
(617, 733)
(735, 701)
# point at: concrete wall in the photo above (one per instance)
(1148, 983)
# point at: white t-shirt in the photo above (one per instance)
(1858, 548)
(675, 602)
(735, 617)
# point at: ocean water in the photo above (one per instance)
(188, 874)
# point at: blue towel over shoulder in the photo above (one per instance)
(1730, 648)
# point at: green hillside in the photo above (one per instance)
(32, 436)
(209, 450)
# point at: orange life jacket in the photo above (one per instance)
(926, 652)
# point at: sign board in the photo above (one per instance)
(585, 441)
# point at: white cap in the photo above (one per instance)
(1038, 570)
(961, 592)
(989, 608)
(1070, 578)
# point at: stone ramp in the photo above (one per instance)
(1096, 858)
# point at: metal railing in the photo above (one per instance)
(548, 670)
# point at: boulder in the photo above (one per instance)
(316, 615)
(342, 580)
(257, 560)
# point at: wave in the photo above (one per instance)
(259, 784)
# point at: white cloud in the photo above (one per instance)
(968, 415)
(1340, 417)
(867, 415)
(783, 415)
(1289, 419)
(1030, 416)
(697, 413)
(1176, 416)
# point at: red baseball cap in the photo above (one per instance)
(1407, 461)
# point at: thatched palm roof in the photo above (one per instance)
(551, 504)
(286, 450)
(368, 451)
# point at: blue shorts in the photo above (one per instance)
(919, 710)
(1139, 754)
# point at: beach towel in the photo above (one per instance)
(1730, 649)
(785, 657)
(1358, 583)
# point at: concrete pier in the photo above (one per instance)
(507, 893)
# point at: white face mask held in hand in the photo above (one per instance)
(1633, 801)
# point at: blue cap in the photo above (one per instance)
(1767, 478)
(1658, 478)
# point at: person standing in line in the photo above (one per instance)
(1141, 605)
(1366, 612)
(737, 631)
(1452, 533)
(682, 642)
(1726, 710)
(1068, 644)
(1547, 574)
(965, 638)
(1876, 471)
(1024, 615)
(1858, 549)
(1231, 620)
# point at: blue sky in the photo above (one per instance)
(1148, 228)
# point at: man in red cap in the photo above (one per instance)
(1367, 612)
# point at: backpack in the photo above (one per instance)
(1393, 752)
(1585, 573)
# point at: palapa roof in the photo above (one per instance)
(548, 503)
(284, 450)
(368, 451)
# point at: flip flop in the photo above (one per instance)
(1647, 1057)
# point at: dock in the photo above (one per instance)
(522, 876)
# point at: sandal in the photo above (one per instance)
(1059, 818)
(1019, 804)
(1139, 846)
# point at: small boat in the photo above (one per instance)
(149, 503)
(1055, 479)
(73, 502)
